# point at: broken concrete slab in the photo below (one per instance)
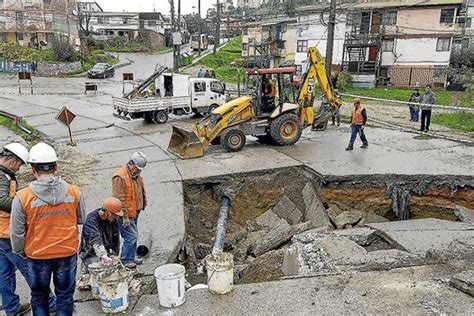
(315, 210)
(287, 210)
(275, 237)
(374, 218)
(348, 219)
(290, 262)
(267, 267)
(430, 238)
(464, 281)
(464, 214)
(268, 219)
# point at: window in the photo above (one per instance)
(447, 16)
(200, 87)
(217, 87)
(49, 37)
(121, 33)
(103, 20)
(245, 47)
(468, 22)
(151, 23)
(302, 46)
(443, 44)
(3, 37)
(387, 45)
(390, 18)
(19, 36)
(19, 16)
(299, 68)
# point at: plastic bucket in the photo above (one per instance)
(113, 289)
(220, 273)
(170, 283)
(94, 270)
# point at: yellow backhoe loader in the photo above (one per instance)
(274, 112)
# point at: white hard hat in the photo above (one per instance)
(42, 153)
(139, 160)
(18, 150)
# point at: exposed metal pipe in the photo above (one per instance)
(221, 225)
(145, 240)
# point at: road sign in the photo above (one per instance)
(128, 76)
(177, 38)
(66, 117)
(24, 75)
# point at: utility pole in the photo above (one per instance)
(330, 41)
(217, 39)
(178, 47)
(173, 30)
(200, 28)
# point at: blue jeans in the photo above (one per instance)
(413, 115)
(129, 235)
(63, 271)
(357, 129)
(9, 263)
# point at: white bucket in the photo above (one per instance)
(113, 289)
(220, 273)
(170, 283)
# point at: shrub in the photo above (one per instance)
(344, 80)
(62, 49)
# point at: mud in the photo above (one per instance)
(375, 198)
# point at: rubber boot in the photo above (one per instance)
(350, 147)
(364, 146)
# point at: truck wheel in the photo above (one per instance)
(233, 140)
(286, 129)
(160, 117)
(212, 107)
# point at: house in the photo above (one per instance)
(249, 3)
(403, 43)
(311, 31)
(34, 23)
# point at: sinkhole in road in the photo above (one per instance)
(268, 208)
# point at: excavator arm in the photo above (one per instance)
(316, 72)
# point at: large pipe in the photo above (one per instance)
(145, 240)
(221, 225)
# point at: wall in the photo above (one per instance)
(53, 70)
(419, 51)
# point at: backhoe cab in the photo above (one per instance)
(272, 111)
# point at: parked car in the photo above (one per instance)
(101, 70)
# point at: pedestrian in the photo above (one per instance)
(212, 74)
(427, 99)
(358, 120)
(12, 157)
(34, 66)
(44, 229)
(207, 74)
(100, 239)
(336, 116)
(129, 188)
(414, 108)
(200, 73)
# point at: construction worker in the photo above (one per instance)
(336, 116)
(129, 188)
(358, 120)
(44, 229)
(12, 157)
(100, 240)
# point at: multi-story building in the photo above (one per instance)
(35, 22)
(249, 3)
(404, 43)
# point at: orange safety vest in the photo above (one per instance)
(4, 216)
(357, 118)
(51, 230)
(129, 190)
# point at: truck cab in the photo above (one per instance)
(207, 94)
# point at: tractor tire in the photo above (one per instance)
(160, 117)
(233, 140)
(286, 129)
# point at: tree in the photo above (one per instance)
(461, 68)
(62, 49)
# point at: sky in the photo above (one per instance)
(160, 5)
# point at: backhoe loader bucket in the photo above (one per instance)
(185, 144)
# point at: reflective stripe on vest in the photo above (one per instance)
(129, 191)
(357, 117)
(51, 230)
(4, 216)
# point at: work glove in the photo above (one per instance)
(125, 221)
(106, 260)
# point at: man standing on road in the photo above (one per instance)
(358, 120)
(427, 98)
(44, 229)
(129, 188)
(100, 240)
(11, 158)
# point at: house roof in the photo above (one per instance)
(403, 3)
(150, 16)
